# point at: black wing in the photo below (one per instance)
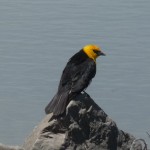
(83, 76)
(76, 78)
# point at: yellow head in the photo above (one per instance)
(93, 51)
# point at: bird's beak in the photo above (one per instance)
(101, 53)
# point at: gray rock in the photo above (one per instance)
(5, 147)
(85, 126)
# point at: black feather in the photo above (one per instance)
(76, 77)
(57, 104)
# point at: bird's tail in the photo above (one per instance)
(58, 104)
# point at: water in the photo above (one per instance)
(38, 37)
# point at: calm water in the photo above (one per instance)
(38, 37)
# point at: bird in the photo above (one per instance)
(75, 78)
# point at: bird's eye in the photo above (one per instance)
(98, 53)
(95, 51)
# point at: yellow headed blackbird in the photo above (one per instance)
(76, 76)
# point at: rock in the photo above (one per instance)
(85, 126)
(4, 147)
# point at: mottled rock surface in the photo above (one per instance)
(5, 147)
(85, 126)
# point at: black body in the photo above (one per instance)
(76, 76)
